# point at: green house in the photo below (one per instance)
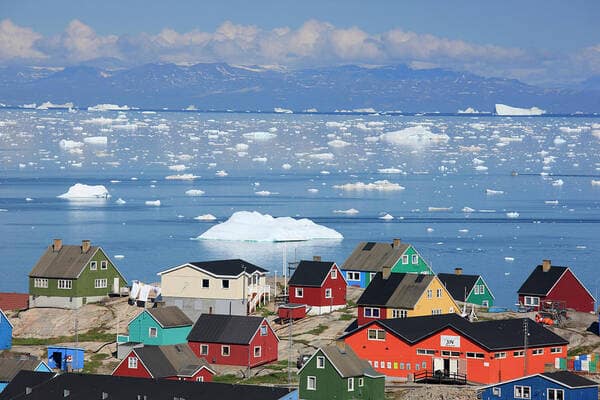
(470, 289)
(69, 276)
(159, 327)
(336, 373)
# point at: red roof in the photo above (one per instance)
(14, 301)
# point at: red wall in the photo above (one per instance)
(315, 296)
(365, 320)
(395, 350)
(570, 290)
(124, 370)
(205, 373)
(238, 354)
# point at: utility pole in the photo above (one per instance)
(284, 270)
(525, 339)
(290, 351)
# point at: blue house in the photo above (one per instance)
(10, 367)
(6, 329)
(65, 358)
(560, 385)
(159, 327)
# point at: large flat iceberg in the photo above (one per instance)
(503, 109)
(253, 226)
(414, 136)
(82, 191)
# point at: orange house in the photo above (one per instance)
(452, 347)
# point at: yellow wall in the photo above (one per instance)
(425, 306)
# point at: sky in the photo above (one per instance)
(548, 42)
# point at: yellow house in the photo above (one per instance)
(233, 287)
(401, 295)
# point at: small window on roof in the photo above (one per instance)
(368, 246)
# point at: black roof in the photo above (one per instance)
(228, 267)
(22, 380)
(170, 316)
(227, 329)
(170, 360)
(399, 290)
(456, 284)
(311, 273)
(570, 379)
(89, 386)
(494, 335)
(539, 282)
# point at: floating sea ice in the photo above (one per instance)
(350, 211)
(383, 185)
(478, 161)
(313, 190)
(96, 140)
(194, 192)
(481, 168)
(463, 230)
(177, 167)
(558, 182)
(502, 109)
(512, 214)
(493, 192)
(108, 107)
(467, 210)
(553, 202)
(389, 171)
(120, 201)
(509, 259)
(205, 217)
(387, 217)
(286, 166)
(241, 147)
(69, 144)
(430, 230)
(322, 156)
(324, 172)
(254, 226)
(82, 191)
(259, 135)
(414, 136)
(221, 173)
(28, 199)
(260, 159)
(558, 140)
(182, 177)
(337, 143)
(595, 182)
(119, 256)
(154, 203)
(437, 209)
(263, 193)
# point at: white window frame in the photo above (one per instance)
(476, 289)
(153, 329)
(519, 392)
(500, 355)
(199, 379)
(361, 382)
(405, 259)
(519, 353)
(223, 284)
(132, 362)
(436, 311)
(554, 392)
(328, 293)
(65, 284)
(378, 334)
(259, 348)
(311, 382)
(93, 265)
(485, 303)
(353, 276)
(223, 347)
(497, 391)
(202, 347)
(537, 352)
(531, 301)
(104, 264)
(474, 355)
(299, 292)
(481, 289)
(555, 350)
(399, 313)
(414, 259)
(40, 283)
(320, 362)
(207, 284)
(334, 273)
(429, 293)
(100, 283)
(371, 309)
(351, 384)
(264, 331)
(439, 293)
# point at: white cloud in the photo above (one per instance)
(18, 42)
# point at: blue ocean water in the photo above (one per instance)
(542, 168)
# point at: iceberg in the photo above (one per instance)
(120, 201)
(280, 110)
(259, 135)
(182, 177)
(96, 140)
(468, 110)
(154, 203)
(194, 192)
(493, 192)
(512, 214)
(414, 136)
(389, 171)
(177, 167)
(205, 217)
(47, 105)
(256, 227)
(82, 191)
(383, 185)
(108, 107)
(387, 217)
(503, 109)
(350, 211)
(66, 144)
(337, 143)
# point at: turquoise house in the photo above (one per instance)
(10, 367)
(158, 327)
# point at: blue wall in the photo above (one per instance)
(290, 396)
(363, 283)
(5, 332)
(538, 386)
(76, 355)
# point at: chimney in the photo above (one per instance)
(316, 258)
(341, 346)
(396, 243)
(66, 393)
(546, 264)
(458, 271)
(104, 395)
(85, 246)
(386, 272)
(28, 390)
(56, 245)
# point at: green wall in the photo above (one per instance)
(479, 298)
(331, 386)
(420, 267)
(139, 331)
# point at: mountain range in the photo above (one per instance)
(219, 86)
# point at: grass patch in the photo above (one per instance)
(227, 378)
(91, 366)
(93, 335)
(346, 317)
(317, 331)
(273, 378)
(575, 351)
(350, 304)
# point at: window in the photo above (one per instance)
(263, 330)
(132, 362)
(199, 379)
(225, 283)
(204, 349)
(40, 283)
(371, 276)
(334, 273)
(555, 350)
(438, 293)
(415, 259)
(376, 334)
(370, 312)
(65, 284)
(353, 276)
(476, 289)
(311, 383)
(475, 355)
(537, 352)
(327, 293)
(424, 352)
(436, 311)
(408, 366)
(361, 382)
(350, 384)
(417, 366)
(522, 392)
(497, 391)
(382, 364)
(93, 265)
(225, 351)
(532, 301)
(424, 365)
(405, 259)
(485, 303)
(556, 394)
(205, 283)
(320, 362)
(429, 293)
(375, 364)
(257, 351)
(100, 283)
(500, 355)
(519, 353)
(299, 292)
(447, 353)
(103, 264)
(481, 289)
(450, 310)
(401, 365)
(397, 313)
(152, 332)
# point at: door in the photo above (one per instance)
(446, 366)
(453, 367)
(438, 365)
(57, 358)
(116, 288)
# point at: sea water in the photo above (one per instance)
(492, 195)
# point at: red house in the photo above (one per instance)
(234, 340)
(318, 284)
(175, 362)
(449, 346)
(551, 283)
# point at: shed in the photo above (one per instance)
(291, 311)
(65, 358)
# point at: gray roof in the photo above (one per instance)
(68, 262)
(347, 363)
(228, 329)
(373, 256)
(173, 360)
(170, 316)
(10, 367)
(400, 290)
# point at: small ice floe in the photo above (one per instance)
(119, 256)
(558, 141)
(580, 247)
(493, 192)
(194, 192)
(512, 214)
(558, 182)
(108, 107)
(120, 201)
(506, 273)
(509, 259)
(263, 193)
(478, 161)
(439, 209)
(82, 191)
(467, 209)
(313, 190)
(3, 210)
(260, 159)
(389, 171)
(552, 202)
(429, 230)
(205, 217)
(322, 156)
(115, 181)
(286, 166)
(337, 143)
(595, 182)
(180, 216)
(69, 144)
(28, 199)
(259, 135)
(153, 203)
(350, 211)
(324, 172)
(414, 136)
(481, 168)
(387, 217)
(177, 167)
(96, 140)
(383, 186)
(182, 177)
(221, 173)
(463, 230)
